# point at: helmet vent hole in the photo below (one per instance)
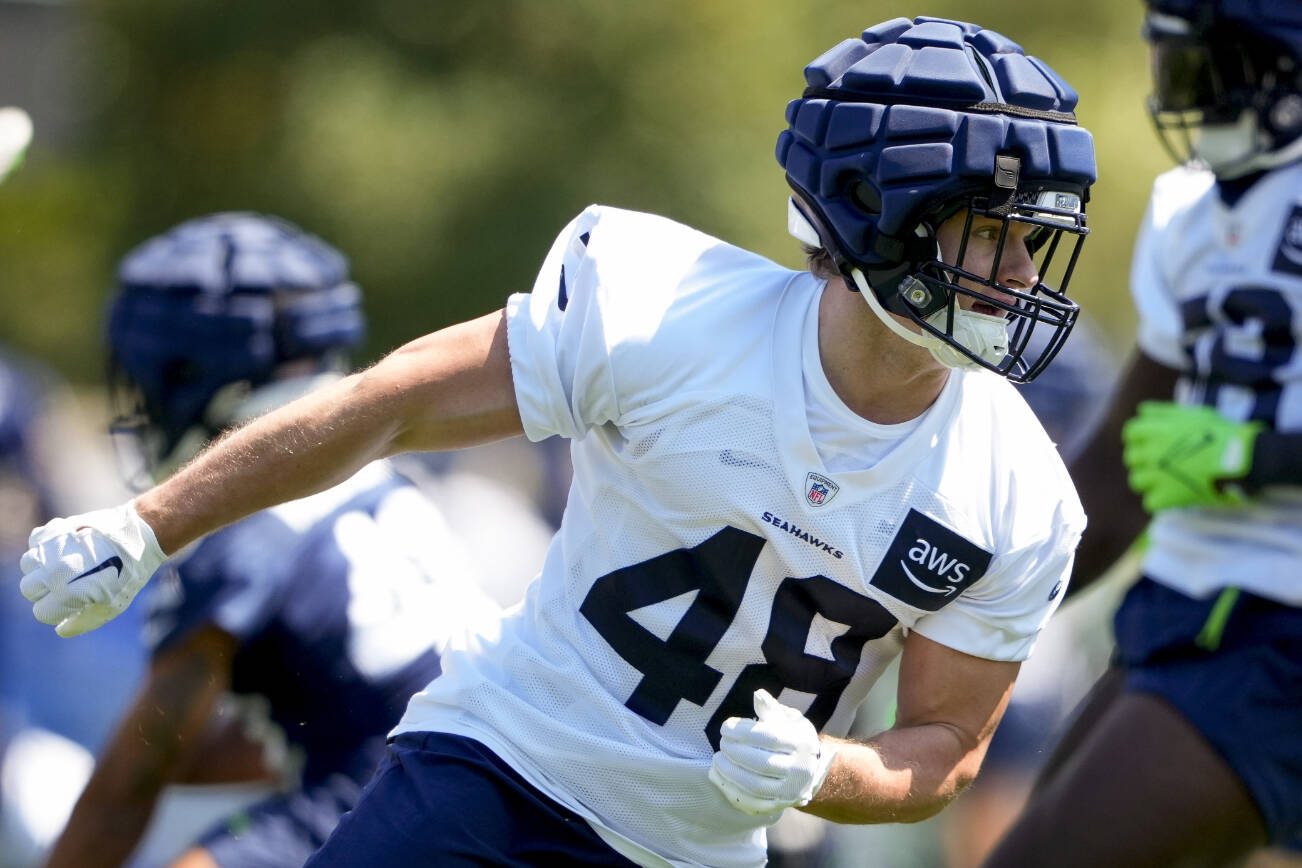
(865, 195)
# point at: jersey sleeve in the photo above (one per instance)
(630, 313)
(1003, 622)
(1001, 616)
(560, 362)
(207, 589)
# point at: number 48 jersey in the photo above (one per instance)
(707, 551)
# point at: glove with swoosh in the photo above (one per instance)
(84, 570)
(1180, 455)
(773, 762)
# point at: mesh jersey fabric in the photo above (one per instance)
(1219, 292)
(845, 441)
(705, 549)
(340, 604)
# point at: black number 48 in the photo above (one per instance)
(719, 569)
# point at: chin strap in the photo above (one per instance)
(986, 336)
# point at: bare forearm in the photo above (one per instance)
(444, 391)
(299, 449)
(900, 776)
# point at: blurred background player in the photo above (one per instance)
(1189, 751)
(323, 615)
(47, 733)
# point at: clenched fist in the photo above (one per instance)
(772, 762)
(82, 571)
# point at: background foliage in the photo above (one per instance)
(442, 145)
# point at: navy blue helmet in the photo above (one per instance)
(219, 305)
(909, 124)
(1227, 81)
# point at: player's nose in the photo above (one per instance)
(1017, 267)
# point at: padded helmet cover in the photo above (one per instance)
(898, 126)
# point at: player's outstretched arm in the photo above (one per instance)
(154, 742)
(949, 704)
(447, 390)
(1115, 513)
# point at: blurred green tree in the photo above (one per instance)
(442, 145)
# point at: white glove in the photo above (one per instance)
(772, 763)
(84, 570)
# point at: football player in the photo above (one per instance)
(782, 481)
(43, 726)
(322, 616)
(1189, 752)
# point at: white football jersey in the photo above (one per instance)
(706, 551)
(1219, 294)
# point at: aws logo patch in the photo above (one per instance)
(928, 565)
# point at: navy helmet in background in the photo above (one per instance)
(210, 311)
(1227, 82)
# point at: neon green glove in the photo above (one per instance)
(1187, 456)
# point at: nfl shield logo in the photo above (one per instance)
(819, 489)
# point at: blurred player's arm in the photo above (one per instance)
(1115, 513)
(227, 752)
(155, 743)
(1277, 460)
(949, 704)
(446, 390)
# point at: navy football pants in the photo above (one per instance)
(439, 799)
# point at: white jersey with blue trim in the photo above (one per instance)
(1219, 292)
(706, 551)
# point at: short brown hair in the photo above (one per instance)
(820, 263)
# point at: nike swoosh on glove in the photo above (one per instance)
(771, 763)
(84, 570)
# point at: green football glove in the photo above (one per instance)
(1187, 456)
